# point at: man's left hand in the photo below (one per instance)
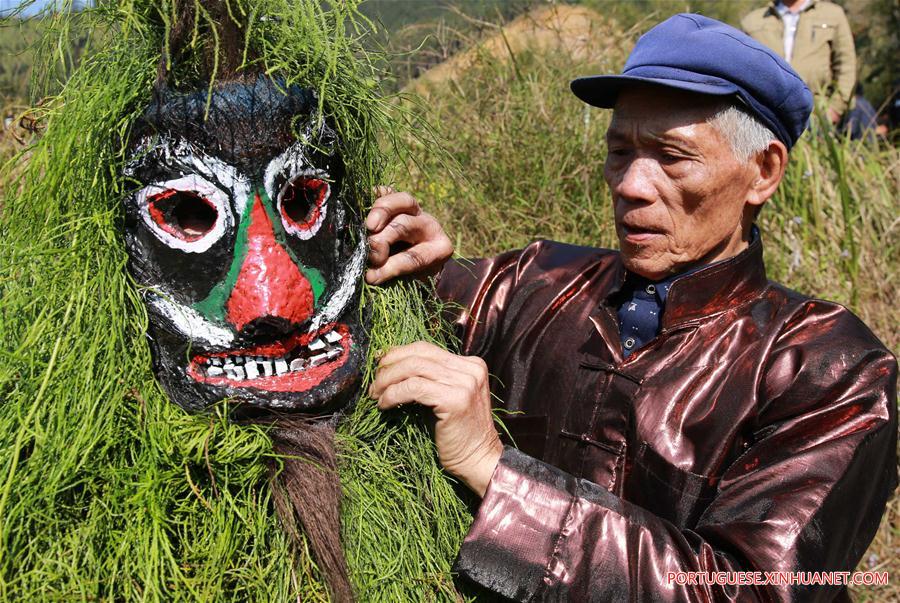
(456, 389)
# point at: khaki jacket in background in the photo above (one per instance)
(823, 53)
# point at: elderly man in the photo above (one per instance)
(673, 410)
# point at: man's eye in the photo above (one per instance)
(183, 214)
(302, 204)
(671, 156)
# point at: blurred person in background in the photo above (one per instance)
(815, 38)
(862, 120)
(893, 110)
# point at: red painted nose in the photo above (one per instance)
(270, 284)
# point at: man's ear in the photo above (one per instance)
(770, 166)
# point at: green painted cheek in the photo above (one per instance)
(213, 306)
(315, 278)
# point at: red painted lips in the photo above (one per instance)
(297, 364)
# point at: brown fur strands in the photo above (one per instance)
(306, 491)
(221, 26)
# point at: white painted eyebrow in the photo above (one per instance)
(177, 153)
(289, 162)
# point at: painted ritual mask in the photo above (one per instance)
(247, 249)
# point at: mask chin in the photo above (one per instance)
(307, 371)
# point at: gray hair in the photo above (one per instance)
(746, 135)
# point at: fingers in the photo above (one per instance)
(445, 389)
(418, 349)
(396, 220)
(414, 389)
(429, 247)
(388, 206)
(423, 259)
(455, 390)
(403, 228)
(422, 359)
(409, 367)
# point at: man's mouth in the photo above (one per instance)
(639, 234)
(296, 364)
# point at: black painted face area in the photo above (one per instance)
(247, 251)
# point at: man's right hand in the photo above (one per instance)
(403, 239)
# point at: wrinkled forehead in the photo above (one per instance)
(244, 123)
(658, 108)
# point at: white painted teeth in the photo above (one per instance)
(247, 368)
(331, 354)
(252, 370)
(234, 372)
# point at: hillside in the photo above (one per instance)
(573, 31)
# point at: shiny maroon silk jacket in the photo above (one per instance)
(757, 432)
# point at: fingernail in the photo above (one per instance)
(373, 220)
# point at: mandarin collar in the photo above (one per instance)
(717, 287)
(708, 290)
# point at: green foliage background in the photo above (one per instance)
(425, 32)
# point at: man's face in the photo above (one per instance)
(248, 254)
(678, 191)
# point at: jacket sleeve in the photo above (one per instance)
(476, 294)
(806, 495)
(843, 65)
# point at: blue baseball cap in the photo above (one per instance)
(698, 54)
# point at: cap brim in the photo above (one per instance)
(603, 90)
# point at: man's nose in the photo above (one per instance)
(270, 286)
(636, 183)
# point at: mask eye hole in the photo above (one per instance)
(188, 213)
(302, 204)
(183, 214)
